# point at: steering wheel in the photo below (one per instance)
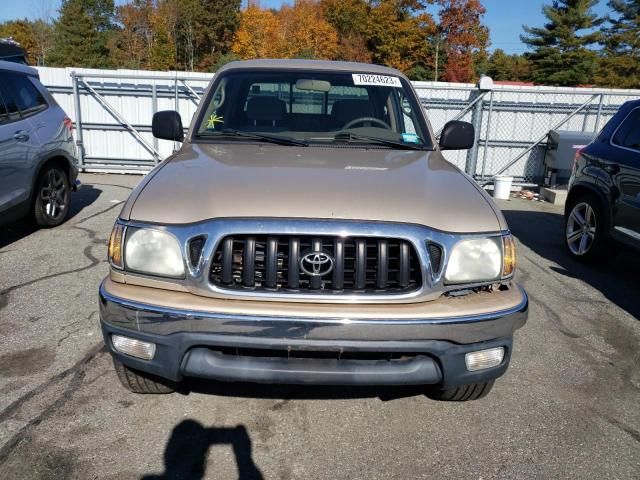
(356, 121)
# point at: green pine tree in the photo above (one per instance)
(561, 52)
(620, 64)
(81, 34)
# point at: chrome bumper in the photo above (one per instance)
(126, 314)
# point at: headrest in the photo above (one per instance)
(346, 110)
(266, 109)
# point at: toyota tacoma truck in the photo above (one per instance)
(309, 231)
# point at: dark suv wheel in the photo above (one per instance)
(584, 228)
(51, 203)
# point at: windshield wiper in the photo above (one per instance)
(349, 137)
(229, 132)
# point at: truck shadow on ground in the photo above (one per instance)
(617, 277)
(85, 196)
(185, 455)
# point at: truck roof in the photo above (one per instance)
(299, 64)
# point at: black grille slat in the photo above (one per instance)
(435, 255)
(383, 264)
(272, 263)
(361, 264)
(338, 267)
(249, 262)
(227, 260)
(405, 265)
(293, 276)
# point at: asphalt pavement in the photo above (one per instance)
(568, 407)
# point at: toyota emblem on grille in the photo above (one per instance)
(316, 264)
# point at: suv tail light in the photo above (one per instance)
(575, 159)
(67, 122)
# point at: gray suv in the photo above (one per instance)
(37, 152)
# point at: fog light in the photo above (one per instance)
(482, 359)
(135, 348)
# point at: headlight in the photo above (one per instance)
(475, 260)
(154, 252)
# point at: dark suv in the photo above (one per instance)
(604, 190)
(37, 151)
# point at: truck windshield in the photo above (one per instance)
(307, 107)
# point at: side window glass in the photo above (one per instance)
(628, 135)
(27, 97)
(8, 107)
(4, 113)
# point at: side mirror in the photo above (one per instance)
(167, 125)
(457, 135)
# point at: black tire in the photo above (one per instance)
(463, 393)
(51, 197)
(594, 247)
(141, 382)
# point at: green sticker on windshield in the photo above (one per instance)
(213, 119)
(410, 138)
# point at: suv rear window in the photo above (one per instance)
(21, 93)
(628, 134)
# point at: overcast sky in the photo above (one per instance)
(504, 17)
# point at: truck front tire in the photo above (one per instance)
(463, 393)
(141, 382)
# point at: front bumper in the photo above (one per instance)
(236, 346)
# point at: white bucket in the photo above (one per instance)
(502, 187)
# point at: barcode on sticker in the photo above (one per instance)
(379, 80)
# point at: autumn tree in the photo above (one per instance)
(561, 48)
(620, 63)
(258, 35)
(397, 33)
(22, 31)
(350, 19)
(465, 38)
(306, 31)
(298, 31)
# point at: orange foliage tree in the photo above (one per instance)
(464, 37)
(293, 32)
(258, 35)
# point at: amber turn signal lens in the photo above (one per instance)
(115, 245)
(508, 256)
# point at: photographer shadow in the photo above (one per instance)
(185, 455)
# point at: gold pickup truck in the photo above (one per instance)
(309, 231)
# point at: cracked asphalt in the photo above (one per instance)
(567, 408)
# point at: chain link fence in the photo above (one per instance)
(512, 122)
(112, 111)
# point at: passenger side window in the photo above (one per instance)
(27, 97)
(628, 134)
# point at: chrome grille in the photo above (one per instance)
(272, 263)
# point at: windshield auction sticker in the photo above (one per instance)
(379, 80)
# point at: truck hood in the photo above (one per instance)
(205, 181)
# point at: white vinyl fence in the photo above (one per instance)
(112, 111)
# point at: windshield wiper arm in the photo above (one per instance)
(260, 136)
(347, 137)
